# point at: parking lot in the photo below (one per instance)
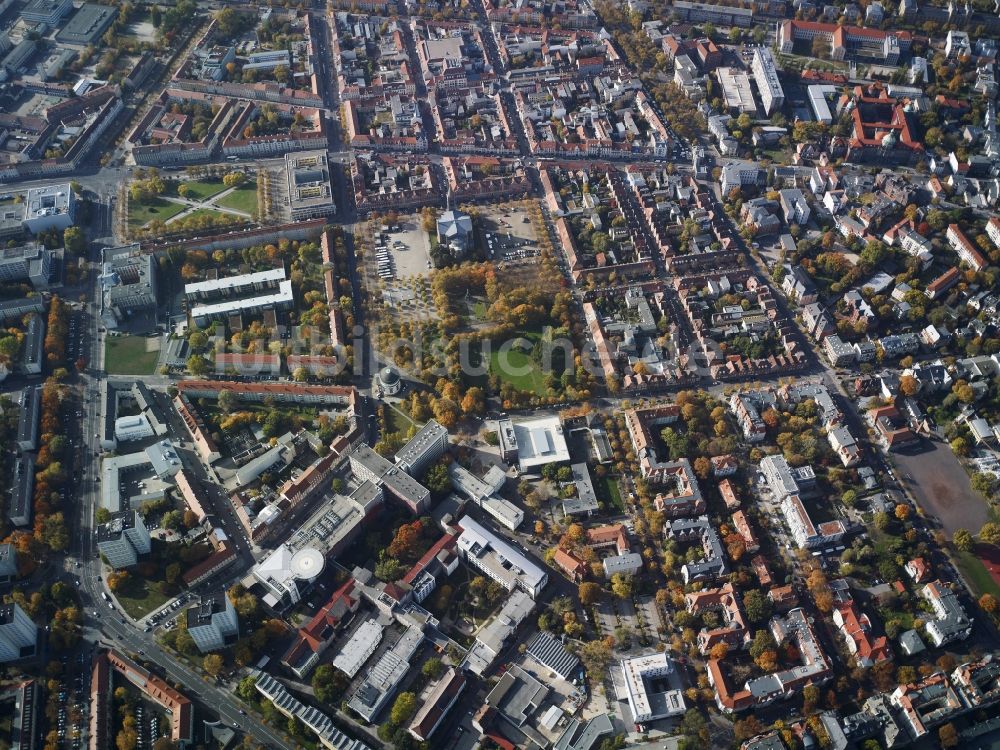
(507, 234)
(403, 252)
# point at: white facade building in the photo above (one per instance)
(499, 560)
(49, 207)
(213, 622)
(133, 427)
(768, 83)
(18, 633)
(645, 704)
(122, 539)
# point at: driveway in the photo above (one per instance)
(940, 484)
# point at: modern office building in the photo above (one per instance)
(18, 634)
(362, 644)
(423, 448)
(122, 539)
(309, 187)
(213, 623)
(49, 207)
(384, 677)
(31, 262)
(128, 280)
(499, 560)
(646, 701)
(49, 12)
(8, 563)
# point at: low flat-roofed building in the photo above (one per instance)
(384, 677)
(88, 24)
(645, 701)
(584, 735)
(359, 648)
(585, 502)
(540, 441)
(491, 640)
(132, 427)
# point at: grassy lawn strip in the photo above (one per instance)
(218, 217)
(140, 597)
(127, 355)
(612, 491)
(397, 421)
(242, 199)
(202, 190)
(140, 214)
(976, 574)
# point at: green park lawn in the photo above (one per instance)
(242, 199)
(202, 190)
(531, 381)
(127, 355)
(220, 217)
(139, 597)
(140, 214)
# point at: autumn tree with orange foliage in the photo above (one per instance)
(408, 543)
(55, 334)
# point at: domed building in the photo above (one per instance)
(389, 382)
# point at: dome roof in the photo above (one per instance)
(388, 376)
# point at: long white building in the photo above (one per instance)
(499, 560)
(766, 74)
